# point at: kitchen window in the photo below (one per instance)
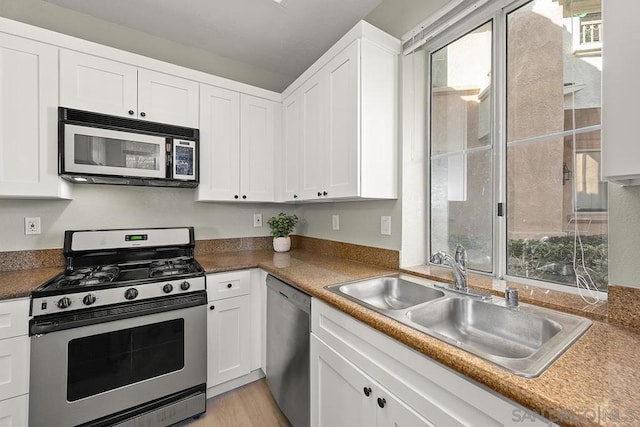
(514, 142)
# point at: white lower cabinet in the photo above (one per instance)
(228, 339)
(15, 412)
(235, 323)
(345, 396)
(362, 377)
(14, 362)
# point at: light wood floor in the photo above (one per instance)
(251, 405)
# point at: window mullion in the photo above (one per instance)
(500, 131)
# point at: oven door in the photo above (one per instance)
(89, 372)
(97, 151)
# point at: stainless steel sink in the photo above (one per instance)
(489, 328)
(524, 340)
(387, 293)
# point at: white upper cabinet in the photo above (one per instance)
(620, 91)
(341, 166)
(97, 84)
(312, 153)
(28, 120)
(258, 133)
(288, 162)
(237, 143)
(167, 99)
(347, 120)
(219, 144)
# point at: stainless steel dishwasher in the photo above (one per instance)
(288, 327)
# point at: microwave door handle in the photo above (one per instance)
(169, 154)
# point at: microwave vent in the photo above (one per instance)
(88, 118)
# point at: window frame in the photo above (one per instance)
(497, 13)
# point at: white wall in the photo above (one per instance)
(107, 206)
(359, 222)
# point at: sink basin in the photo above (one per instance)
(387, 293)
(524, 340)
(489, 328)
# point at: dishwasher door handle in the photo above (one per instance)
(284, 295)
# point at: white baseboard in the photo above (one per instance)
(235, 383)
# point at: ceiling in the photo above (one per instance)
(282, 38)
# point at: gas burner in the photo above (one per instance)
(170, 267)
(89, 276)
(119, 267)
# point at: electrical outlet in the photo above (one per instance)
(32, 225)
(335, 222)
(257, 220)
(385, 225)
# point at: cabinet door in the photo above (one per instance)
(96, 84)
(288, 159)
(15, 412)
(312, 137)
(343, 123)
(14, 366)
(219, 144)
(257, 145)
(228, 339)
(167, 99)
(343, 395)
(14, 315)
(339, 390)
(392, 412)
(620, 111)
(28, 119)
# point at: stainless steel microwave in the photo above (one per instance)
(99, 149)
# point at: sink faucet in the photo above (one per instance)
(458, 264)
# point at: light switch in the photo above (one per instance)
(335, 222)
(385, 225)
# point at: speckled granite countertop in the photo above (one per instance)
(19, 284)
(596, 382)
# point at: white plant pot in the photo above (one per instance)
(281, 244)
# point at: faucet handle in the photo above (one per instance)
(461, 255)
(436, 258)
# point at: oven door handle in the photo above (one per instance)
(56, 322)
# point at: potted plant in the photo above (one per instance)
(281, 227)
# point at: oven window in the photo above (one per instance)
(103, 362)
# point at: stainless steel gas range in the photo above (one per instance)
(119, 337)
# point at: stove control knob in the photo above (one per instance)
(167, 288)
(89, 299)
(64, 302)
(131, 293)
(185, 285)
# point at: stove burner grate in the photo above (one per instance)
(89, 276)
(170, 267)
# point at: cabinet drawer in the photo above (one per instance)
(14, 367)
(227, 285)
(14, 317)
(14, 412)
